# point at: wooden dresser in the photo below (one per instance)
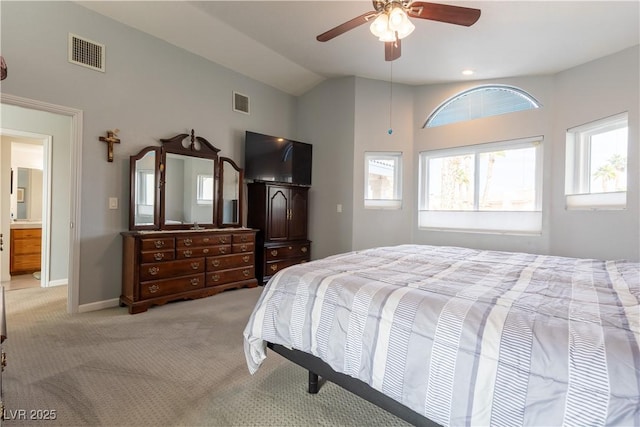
(26, 250)
(162, 266)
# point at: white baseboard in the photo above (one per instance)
(99, 305)
(59, 282)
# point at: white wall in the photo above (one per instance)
(150, 90)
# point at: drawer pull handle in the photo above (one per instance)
(274, 252)
(290, 248)
(215, 263)
(154, 270)
(304, 249)
(195, 281)
(215, 277)
(205, 251)
(158, 256)
(158, 243)
(274, 267)
(223, 239)
(243, 248)
(245, 258)
(223, 250)
(188, 242)
(243, 239)
(187, 253)
(246, 273)
(154, 288)
(206, 240)
(195, 265)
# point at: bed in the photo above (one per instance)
(458, 336)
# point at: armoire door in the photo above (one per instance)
(298, 213)
(278, 213)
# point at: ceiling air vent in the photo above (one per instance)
(240, 103)
(86, 53)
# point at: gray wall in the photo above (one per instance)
(586, 93)
(150, 90)
(326, 118)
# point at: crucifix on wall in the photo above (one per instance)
(111, 138)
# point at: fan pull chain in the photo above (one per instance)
(390, 131)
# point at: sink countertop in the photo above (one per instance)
(26, 224)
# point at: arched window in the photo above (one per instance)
(481, 101)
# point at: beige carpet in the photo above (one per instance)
(181, 364)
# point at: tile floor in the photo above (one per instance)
(21, 282)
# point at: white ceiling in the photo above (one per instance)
(275, 41)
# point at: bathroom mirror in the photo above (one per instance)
(230, 198)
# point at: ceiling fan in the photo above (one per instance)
(390, 21)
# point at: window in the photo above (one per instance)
(482, 101)
(382, 180)
(494, 187)
(205, 190)
(596, 164)
(145, 183)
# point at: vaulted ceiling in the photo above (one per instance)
(275, 41)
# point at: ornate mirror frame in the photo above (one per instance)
(203, 188)
(230, 194)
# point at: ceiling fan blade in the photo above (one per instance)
(349, 25)
(392, 50)
(444, 13)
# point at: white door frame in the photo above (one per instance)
(46, 197)
(73, 299)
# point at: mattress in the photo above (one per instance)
(465, 336)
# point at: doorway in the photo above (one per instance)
(65, 124)
(29, 241)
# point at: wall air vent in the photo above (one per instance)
(86, 53)
(240, 103)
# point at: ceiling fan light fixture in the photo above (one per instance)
(397, 18)
(406, 29)
(380, 25)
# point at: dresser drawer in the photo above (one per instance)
(230, 261)
(295, 250)
(205, 240)
(195, 252)
(157, 288)
(156, 256)
(242, 247)
(157, 243)
(243, 238)
(161, 270)
(272, 267)
(222, 277)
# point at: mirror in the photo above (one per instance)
(230, 198)
(144, 190)
(188, 190)
(28, 199)
(184, 185)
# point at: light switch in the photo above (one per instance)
(113, 203)
(339, 208)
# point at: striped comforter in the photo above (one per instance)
(467, 337)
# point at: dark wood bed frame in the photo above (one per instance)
(318, 368)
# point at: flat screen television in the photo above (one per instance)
(271, 158)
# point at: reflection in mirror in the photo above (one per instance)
(145, 187)
(28, 195)
(188, 189)
(231, 193)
